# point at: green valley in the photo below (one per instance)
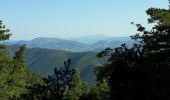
(43, 61)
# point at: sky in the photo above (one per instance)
(28, 19)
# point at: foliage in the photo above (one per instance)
(64, 85)
(100, 91)
(142, 71)
(77, 86)
(4, 60)
(44, 61)
(14, 75)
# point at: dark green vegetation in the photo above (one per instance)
(14, 75)
(18, 83)
(140, 72)
(64, 85)
(43, 61)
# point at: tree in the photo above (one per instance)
(5, 61)
(61, 81)
(14, 75)
(142, 71)
(65, 84)
(20, 55)
(4, 35)
(77, 86)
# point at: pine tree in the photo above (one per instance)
(5, 62)
(20, 55)
(14, 75)
(77, 86)
(142, 71)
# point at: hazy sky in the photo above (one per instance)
(28, 19)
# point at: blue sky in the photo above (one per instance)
(28, 19)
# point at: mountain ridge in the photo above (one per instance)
(43, 61)
(72, 45)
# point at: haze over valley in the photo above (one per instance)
(43, 54)
(81, 44)
(85, 50)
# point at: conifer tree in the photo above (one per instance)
(142, 71)
(20, 55)
(77, 86)
(14, 76)
(5, 62)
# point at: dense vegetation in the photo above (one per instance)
(140, 72)
(43, 61)
(14, 75)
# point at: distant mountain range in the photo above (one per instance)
(44, 54)
(43, 61)
(81, 44)
(90, 39)
(53, 43)
(112, 43)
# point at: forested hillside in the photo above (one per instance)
(43, 61)
(137, 72)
